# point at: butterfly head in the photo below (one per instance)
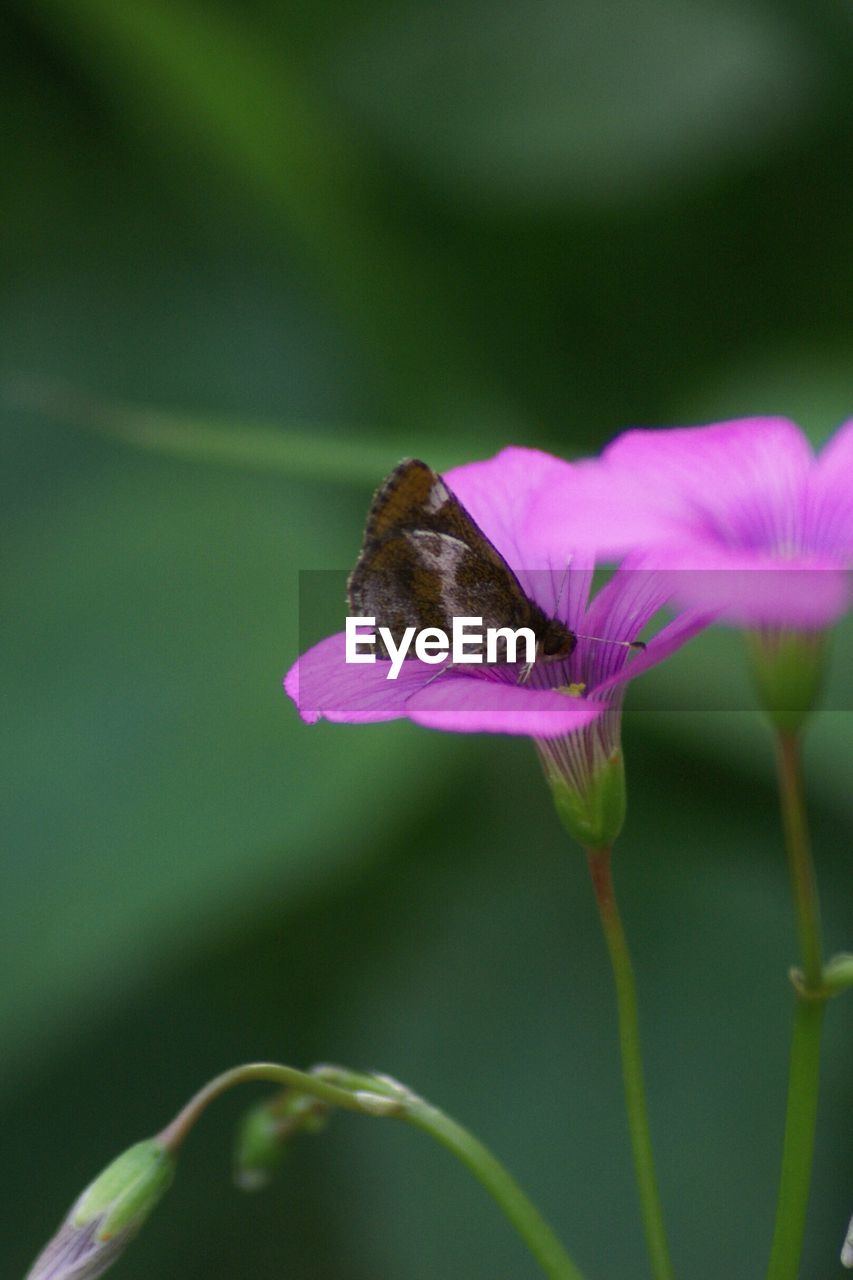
(556, 641)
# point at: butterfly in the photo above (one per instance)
(424, 561)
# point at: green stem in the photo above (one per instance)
(173, 1136)
(800, 865)
(486, 1168)
(811, 996)
(632, 1065)
(377, 1095)
(504, 1190)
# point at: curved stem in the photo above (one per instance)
(811, 995)
(504, 1190)
(380, 1096)
(632, 1065)
(479, 1160)
(173, 1136)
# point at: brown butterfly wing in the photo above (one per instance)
(425, 561)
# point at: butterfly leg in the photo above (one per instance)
(524, 673)
(451, 666)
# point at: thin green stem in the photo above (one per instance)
(380, 1096)
(175, 1133)
(504, 1190)
(800, 864)
(632, 1064)
(798, 1149)
(811, 996)
(486, 1168)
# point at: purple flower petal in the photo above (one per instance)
(746, 452)
(751, 525)
(742, 483)
(570, 588)
(665, 643)
(491, 706)
(830, 523)
(78, 1253)
(323, 684)
(498, 493)
(754, 588)
(619, 612)
(605, 512)
(737, 483)
(503, 495)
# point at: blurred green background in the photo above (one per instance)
(336, 235)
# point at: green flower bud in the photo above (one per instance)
(591, 807)
(788, 669)
(266, 1130)
(107, 1215)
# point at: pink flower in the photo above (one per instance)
(505, 497)
(754, 526)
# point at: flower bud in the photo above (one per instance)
(265, 1132)
(788, 670)
(591, 808)
(107, 1215)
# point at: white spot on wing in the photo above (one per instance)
(438, 551)
(436, 498)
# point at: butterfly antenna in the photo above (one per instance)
(563, 582)
(625, 644)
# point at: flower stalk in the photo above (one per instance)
(811, 994)
(599, 861)
(489, 1172)
(110, 1212)
(308, 1083)
(800, 864)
